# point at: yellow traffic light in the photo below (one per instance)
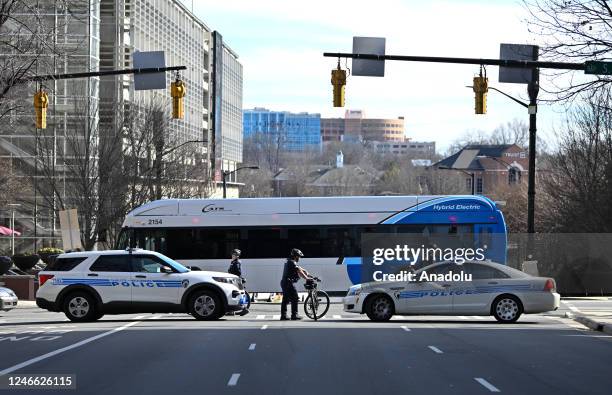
(178, 91)
(41, 103)
(481, 87)
(338, 80)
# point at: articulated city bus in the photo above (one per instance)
(202, 232)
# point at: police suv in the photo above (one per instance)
(87, 285)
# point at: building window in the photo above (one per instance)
(514, 176)
(468, 184)
(479, 185)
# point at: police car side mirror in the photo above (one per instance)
(166, 269)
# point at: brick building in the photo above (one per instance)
(491, 166)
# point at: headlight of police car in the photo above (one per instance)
(227, 280)
(354, 290)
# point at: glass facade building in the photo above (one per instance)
(294, 131)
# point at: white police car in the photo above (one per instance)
(494, 289)
(87, 285)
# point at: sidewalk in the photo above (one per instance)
(600, 323)
(26, 304)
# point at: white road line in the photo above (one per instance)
(276, 317)
(252, 347)
(435, 349)
(264, 327)
(138, 318)
(260, 317)
(570, 306)
(486, 384)
(462, 317)
(477, 317)
(64, 349)
(337, 317)
(404, 327)
(234, 379)
(156, 317)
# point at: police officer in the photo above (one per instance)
(235, 267)
(291, 274)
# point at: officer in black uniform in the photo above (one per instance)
(235, 267)
(291, 274)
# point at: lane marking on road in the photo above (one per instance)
(252, 347)
(264, 327)
(260, 317)
(486, 384)
(138, 318)
(156, 317)
(404, 327)
(570, 306)
(435, 349)
(276, 317)
(462, 317)
(477, 317)
(64, 349)
(337, 317)
(234, 379)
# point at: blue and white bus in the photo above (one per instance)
(203, 232)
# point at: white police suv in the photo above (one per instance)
(87, 285)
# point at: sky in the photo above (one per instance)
(281, 43)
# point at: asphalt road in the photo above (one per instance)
(257, 354)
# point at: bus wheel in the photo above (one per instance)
(379, 308)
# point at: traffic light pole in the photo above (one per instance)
(591, 67)
(51, 77)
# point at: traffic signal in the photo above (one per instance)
(481, 87)
(177, 91)
(41, 103)
(338, 80)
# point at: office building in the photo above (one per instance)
(292, 131)
(356, 127)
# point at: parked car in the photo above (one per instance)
(8, 299)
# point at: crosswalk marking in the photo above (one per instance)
(260, 317)
(337, 317)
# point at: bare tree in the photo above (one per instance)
(575, 31)
(580, 172)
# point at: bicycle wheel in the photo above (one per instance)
(317, 308)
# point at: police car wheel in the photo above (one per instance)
(205, 305)
(507, 309)
(380, 308)
(80, 307)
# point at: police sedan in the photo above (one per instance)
(483, 288)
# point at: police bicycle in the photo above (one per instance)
(317, 301)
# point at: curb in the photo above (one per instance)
(591, 323)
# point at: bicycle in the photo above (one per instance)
(317, 302)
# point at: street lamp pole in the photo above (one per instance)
(13, 206)
(227, 173)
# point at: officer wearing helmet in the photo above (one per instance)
(235, 267)
(291, 274)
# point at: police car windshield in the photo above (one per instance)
(177, 266)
